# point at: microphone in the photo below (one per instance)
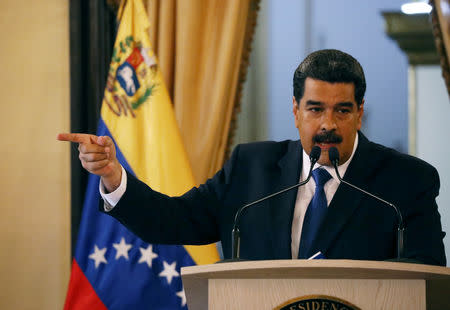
(333, 154)
(314, 156)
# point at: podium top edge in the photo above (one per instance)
(319, 269)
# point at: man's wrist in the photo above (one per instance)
(111, 199)
(112, 182)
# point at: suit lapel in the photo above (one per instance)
(282, 208)
(346, 200)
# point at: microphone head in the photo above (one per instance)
(333, 155)
(314, 155)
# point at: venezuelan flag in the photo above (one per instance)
(112, 268)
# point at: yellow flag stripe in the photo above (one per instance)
(138, 113)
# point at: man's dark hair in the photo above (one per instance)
(330, 66)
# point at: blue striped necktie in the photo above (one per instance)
(315, 213)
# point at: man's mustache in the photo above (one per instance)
(327, 137)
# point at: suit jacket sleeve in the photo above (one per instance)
(189, 219)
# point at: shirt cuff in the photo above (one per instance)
(111, 199)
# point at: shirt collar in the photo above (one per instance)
(342, 168)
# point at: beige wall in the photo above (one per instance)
(35, 176)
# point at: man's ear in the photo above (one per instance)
(295, 108)
(360, 114)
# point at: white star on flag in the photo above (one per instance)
(147, 255)
(98, 256)
(182, 295)
(169, 271)
(122, 248)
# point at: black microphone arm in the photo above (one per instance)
(333, 154)
(236, 234)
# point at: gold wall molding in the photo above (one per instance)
(414, 36)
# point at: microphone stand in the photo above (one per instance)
(236, 234)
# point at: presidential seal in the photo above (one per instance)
(317, 302)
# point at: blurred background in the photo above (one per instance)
(407, 108)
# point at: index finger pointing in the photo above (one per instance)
(74, 137)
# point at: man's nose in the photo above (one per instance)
(328, 121)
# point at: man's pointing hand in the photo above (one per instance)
(97, 156)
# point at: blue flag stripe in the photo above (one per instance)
(119, 282)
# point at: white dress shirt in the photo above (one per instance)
(304, 194)
(111, 199)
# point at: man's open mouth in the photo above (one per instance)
(326, 145)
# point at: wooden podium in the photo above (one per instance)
(276, 283)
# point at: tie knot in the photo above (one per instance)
(320, 176)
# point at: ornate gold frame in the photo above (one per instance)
(440, 17)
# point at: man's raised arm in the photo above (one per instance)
(97, 156)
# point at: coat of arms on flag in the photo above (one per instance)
(131, 67)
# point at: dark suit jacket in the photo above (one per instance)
(355, 227)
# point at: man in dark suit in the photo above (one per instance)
(324, 215)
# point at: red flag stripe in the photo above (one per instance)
(80, 294)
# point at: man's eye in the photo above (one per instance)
(344, 111)
(315, 109)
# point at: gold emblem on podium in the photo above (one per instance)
(317, 302)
